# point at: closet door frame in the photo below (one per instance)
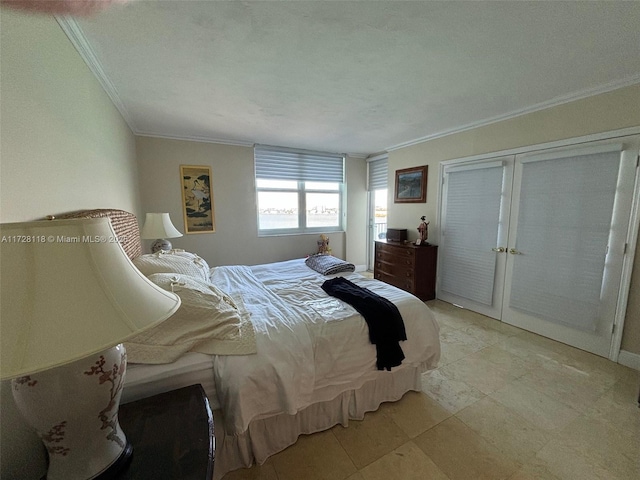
(632, 234)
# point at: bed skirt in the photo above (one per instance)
(268, 436)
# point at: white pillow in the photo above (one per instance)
(173, 261)
(208, 321)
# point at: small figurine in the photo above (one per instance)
(422, 230)
(323, 245)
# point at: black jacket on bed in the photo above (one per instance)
(386, 327)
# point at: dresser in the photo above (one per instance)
(407, 266)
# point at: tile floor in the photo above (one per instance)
(503, 404)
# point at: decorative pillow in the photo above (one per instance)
(207, 321)
(328, 265)
(173, 261)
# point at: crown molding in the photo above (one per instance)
(195, 138)
(236, 143)
(579, 95)
(77, 38)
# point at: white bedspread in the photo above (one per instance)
(311, 347)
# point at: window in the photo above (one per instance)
(298, 191)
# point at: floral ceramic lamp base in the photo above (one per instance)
(74, 409)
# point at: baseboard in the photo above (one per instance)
(361, 268)
(628, 359)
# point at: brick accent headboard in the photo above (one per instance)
(125, 225)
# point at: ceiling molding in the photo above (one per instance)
(590, 92)
(77, 38)
(236, 143)
(196, 138)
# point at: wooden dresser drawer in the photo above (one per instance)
(395, 270)
(404, 283)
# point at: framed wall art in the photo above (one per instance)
(197, 199)
(411, 185)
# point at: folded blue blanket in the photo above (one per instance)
(386, 327)
(328, 265)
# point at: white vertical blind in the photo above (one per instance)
(470, 231)
(378, 174)
(279, 163)
(564, 220)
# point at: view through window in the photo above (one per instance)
(380, 214)
(280, 203)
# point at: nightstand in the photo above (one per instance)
(171, 434)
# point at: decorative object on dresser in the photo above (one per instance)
(423, 230)
(69, 294)
(158, 225)
(411, 185)
(173, 436)
(396, 234)
(407, 266)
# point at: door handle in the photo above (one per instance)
(499, 249)
(513, 251)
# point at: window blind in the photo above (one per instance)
(378, 174)
(279, 163)
(563, 229)
(470, 228)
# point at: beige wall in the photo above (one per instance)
(63, 147)
(601, 113)
(236, 238)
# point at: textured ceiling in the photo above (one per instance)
(355, 77)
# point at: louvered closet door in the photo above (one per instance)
(569, 224)
(475, 216)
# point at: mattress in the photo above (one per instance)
(143, 381)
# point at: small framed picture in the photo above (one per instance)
(418, 242)
(411, 185)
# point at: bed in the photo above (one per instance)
(313, 367)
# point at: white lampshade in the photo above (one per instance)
(158, 225)
(68, 291)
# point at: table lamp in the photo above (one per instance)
(158, 225)
(69, 297)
